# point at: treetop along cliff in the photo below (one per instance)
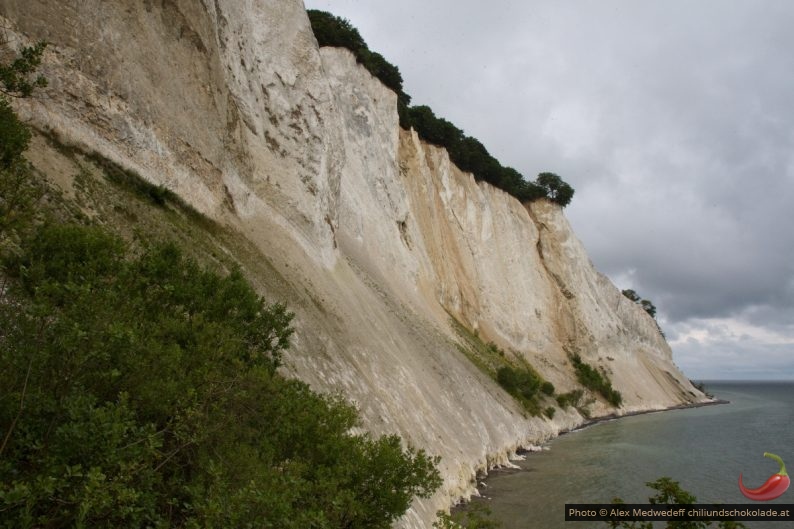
(468, 153)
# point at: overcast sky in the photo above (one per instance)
(672, 119)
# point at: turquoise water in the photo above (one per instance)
(704, 449)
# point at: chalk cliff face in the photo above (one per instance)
(373, 237)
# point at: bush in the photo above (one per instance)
(549, 412)
(475, 515)
(555, 188)
(669, 492)
(572, 398)
(143, 392)
(524, 384)
(592, 379)
(14, 136)
(18, 191)
(646, 304)
(517, 382)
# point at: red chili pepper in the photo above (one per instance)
(774, 486)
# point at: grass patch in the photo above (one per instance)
(595, 380)
(513, 373)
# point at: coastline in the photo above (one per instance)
(482, 479)
(613, 416)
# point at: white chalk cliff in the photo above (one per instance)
(378, 240)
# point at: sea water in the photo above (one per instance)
(704, 449)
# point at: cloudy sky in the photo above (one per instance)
(672, 119)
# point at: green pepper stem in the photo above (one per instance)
(779, 460)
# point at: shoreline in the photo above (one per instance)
(613, 416)
(481, 481)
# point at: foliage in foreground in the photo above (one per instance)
(466, 152)
(669, 492)
(475, 515)
(143, 392)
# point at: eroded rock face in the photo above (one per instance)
(376, 238)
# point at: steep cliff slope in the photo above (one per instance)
(376, 241)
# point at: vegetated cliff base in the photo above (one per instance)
(399, 266)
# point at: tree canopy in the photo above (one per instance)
(142, 392)
(468, 153)
(646, 304)
(330, 30)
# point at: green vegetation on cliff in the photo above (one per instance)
(646, 304)
(139, 388)
(595, 380)
(512, 372)
(468, 153)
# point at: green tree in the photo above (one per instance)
(556, 189)
(475, 515)
(648, 307)
(18, 191)
(143, 392)
(466, 152)
(632, 295)
(18, 78)
(333, 31)
(669, 492)
(646, 304)
(14, 134)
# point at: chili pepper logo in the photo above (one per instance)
(774, 486)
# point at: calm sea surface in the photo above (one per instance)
(704, 449)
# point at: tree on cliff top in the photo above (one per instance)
(556, 189)
(466, 153)
(646, 304)
(330, 30)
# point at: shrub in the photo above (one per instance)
(549, 412)
(17, 191)
(521, 382)
(330, 30)
(14, 136)
(555, 188)
(524, 384)
(142, 392)
(593, 379)
(475, 515)
(572, 398)
(646, 304)
(669, 492)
